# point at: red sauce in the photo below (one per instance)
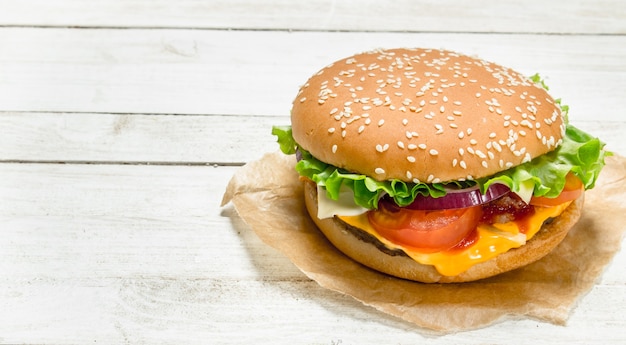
(506, 209)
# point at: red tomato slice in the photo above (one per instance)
(572, 190)
(428, 231)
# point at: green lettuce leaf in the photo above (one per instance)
(580, 153)
(285, 139)
(367, 191)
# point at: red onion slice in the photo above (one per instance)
(298, 155)
(460, 198)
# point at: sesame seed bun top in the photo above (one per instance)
(422, 115)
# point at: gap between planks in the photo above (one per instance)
(78, 162)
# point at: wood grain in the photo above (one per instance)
(531, 16)
(258, 72)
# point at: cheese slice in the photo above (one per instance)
(493, 239)
(344, 205)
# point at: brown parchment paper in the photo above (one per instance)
(268, 196)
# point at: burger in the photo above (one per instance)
(434, 166)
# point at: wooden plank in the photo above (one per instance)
(136, 138)
(157, 310)
(128, 253)
(100, 221)
(168, 139)
(258, 73)
(535, 16)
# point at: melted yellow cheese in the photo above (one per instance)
(492, 240)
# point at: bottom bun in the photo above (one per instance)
(367, 250)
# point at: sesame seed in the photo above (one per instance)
(361, 129)
(433, 152)
(410, 159)
(463, 164)
(497, 146)
(527, 158)
(379, 171)
(334, 148)
(400, 144)
(484, 164)
(422, 146)
(381, 122)
(331, 130)
(354, 118)
(382, 148)
(302, 99)
(412, 147)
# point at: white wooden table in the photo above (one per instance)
(121, 122)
